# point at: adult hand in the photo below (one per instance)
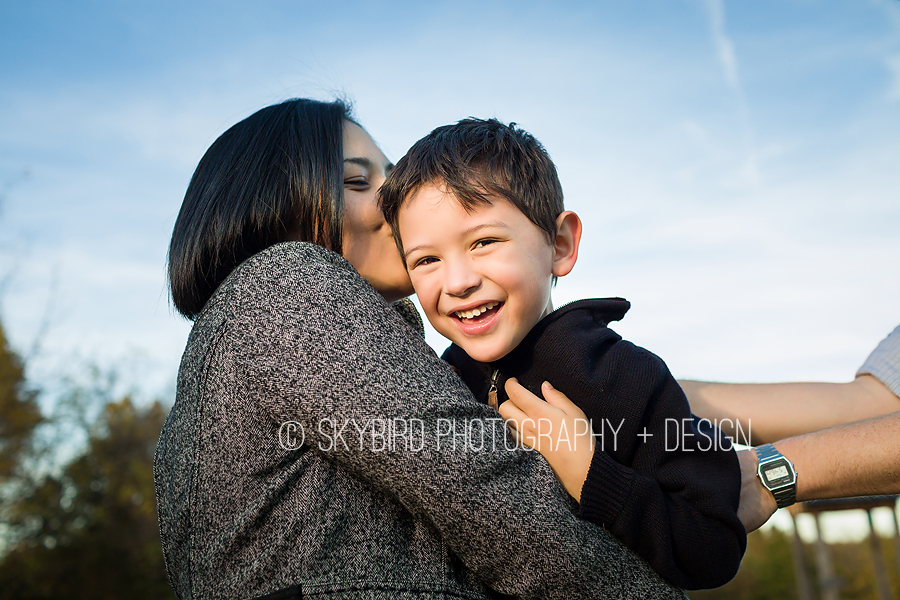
(557, 428)
(757, 504)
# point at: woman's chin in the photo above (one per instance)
(392, 294)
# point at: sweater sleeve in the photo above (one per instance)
(667, 484)
(317, 346)
(884, 362)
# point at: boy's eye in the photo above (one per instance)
(424, 261)
(483, 243)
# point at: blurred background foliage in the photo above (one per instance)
(767, 571)
(80, 522)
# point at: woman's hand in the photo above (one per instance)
(557, 429)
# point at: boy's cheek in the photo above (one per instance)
(424, 290)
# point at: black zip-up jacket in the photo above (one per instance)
(667, 484)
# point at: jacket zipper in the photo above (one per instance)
(492, 392)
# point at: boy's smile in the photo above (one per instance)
(479, 320)
(483, 276)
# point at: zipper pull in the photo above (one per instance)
(492, 392)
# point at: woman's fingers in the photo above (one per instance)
(557, 428)
(534, 421)
(522, 398)
(512, 414)
(535, 406)
(516, 435)
(519, 423)
(556, 398)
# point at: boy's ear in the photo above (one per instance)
(565, 245)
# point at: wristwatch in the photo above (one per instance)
(777, 474)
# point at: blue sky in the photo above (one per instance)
(734, 163)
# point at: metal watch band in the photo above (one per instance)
(767, 451)
(785, 495)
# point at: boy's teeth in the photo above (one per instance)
(469, 314)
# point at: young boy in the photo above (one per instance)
(477, 212)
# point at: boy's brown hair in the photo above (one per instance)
(473, 160)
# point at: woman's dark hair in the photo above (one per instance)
(275, 176)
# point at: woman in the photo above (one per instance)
(299, 337)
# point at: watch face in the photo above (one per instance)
(776, 474)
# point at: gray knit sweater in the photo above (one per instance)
(248, 505)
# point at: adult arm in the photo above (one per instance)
(767, 412)
(856, 459)
(321, 347)
(759, 413)
(838, 461)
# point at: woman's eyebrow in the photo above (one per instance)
(359, 160)
(366, 163)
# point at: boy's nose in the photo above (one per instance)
(461, 280)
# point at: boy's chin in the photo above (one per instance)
(484, 354)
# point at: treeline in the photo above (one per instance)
(767, 571)
(86, 528)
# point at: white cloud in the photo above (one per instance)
(893, 65)
(748, 169)
(723, 44)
